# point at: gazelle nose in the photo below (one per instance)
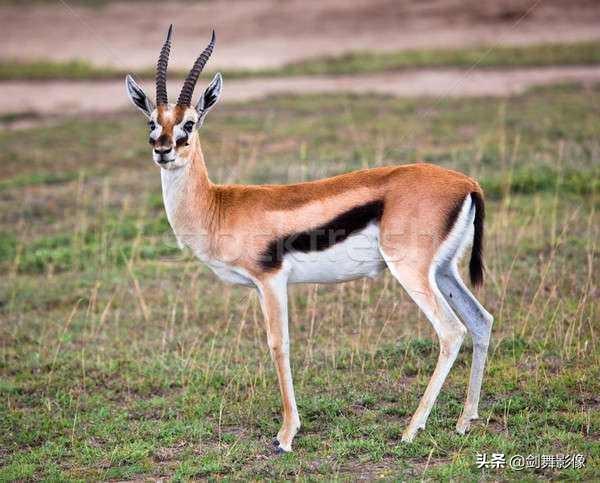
(163, 150)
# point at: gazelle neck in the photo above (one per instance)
(187, 195)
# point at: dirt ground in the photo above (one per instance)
(57, 98)
(269, 33)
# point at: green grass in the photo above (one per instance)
(47, 70)
(501, 56)
(122, 357)
(581, 53)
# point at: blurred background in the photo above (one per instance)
(284, 41)
(122, 357)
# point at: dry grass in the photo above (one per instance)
(123, 358)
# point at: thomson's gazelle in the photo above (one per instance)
(416, 220)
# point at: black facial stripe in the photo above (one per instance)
(182, 140)
(322, 237)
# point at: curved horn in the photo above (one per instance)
(185, 98)
(161, 70)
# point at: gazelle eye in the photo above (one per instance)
(152, 125)
(188, 126)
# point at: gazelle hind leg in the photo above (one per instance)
(467, 307)
(450, 331)
(479, 324)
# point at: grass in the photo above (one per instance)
(580, 53)
(121, 357)
(84, 3)
(48, 70)
(501, 56)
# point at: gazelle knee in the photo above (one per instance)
(277, 347)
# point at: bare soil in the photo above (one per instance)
(58, 98)
(269, 33)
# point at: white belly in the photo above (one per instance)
(357, 256)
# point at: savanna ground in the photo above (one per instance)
(54, 48)
(122, 357)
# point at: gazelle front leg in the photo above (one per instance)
(273, 298)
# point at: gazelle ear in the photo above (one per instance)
(138, 97)
(210, 97)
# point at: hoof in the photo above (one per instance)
(463, 426)
(407, 438)
(275, 442)
(409, 434)
(279, 451)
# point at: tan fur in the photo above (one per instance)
(417, 200)
(419, 236)
(230, 228)
(168, 118)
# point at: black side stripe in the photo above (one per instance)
(323, 236)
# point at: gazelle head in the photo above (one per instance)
(173, 125)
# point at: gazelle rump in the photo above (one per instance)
(415, 220)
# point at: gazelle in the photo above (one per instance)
(416, 220)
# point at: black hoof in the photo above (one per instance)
(279, 450)
(275, 442)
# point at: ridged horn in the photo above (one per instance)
(185, 97)
(161, 70)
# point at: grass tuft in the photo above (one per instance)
(122, 358)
